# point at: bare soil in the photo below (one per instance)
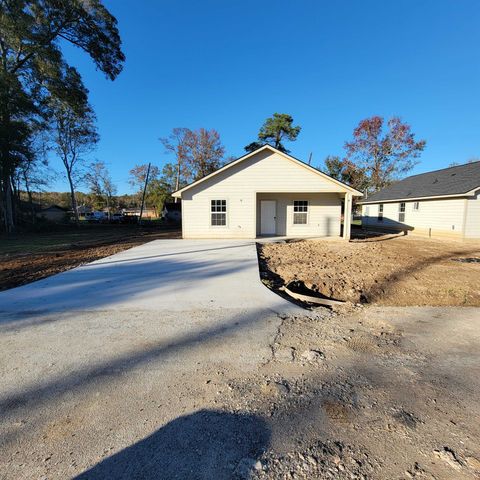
(385, 270)
(30, 257)
(379, 393)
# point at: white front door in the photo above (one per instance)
(268, 217)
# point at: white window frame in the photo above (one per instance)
(401, 212)
(380, 213)
(307, 212)
(213, 210)
(416, 206)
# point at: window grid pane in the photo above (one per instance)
(218, 209)
(380, 213)
(300, 206)
(219, 219)
(300, 212)
(300, 218)
(218, 205)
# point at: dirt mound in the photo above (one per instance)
(387, 270)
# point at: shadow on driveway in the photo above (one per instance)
(206, 445)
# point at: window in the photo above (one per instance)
(401, 212)
(218, 213)
(416, 206)
(380, 213)
(300, 212)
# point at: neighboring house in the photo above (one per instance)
(172, 212)
(54, 213)
(265, 192)
(443, 203)
(83, 210)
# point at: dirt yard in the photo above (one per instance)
(384, 270)
(382, 393)
(29, 257)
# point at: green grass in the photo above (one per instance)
(59, 240)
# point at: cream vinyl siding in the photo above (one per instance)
(433, 217)
(472, 217)
(264, 172)
(323, 218)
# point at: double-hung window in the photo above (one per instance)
(380, 212)
(416, 206)
(218, 213)
(401, 212)
(300, 212)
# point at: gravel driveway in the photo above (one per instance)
(173, 361)
(96, 358)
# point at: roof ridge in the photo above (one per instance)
(441, 169)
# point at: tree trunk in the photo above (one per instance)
(6, 186)
(9, 218)
(30, 199)
(73, 199)
(177, 180)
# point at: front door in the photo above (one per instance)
(268, 217)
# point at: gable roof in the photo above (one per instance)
(355, 192)
(458, 181)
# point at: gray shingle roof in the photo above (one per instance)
(456, 180)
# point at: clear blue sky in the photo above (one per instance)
(229, 64)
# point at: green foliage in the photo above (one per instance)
(101, 186)
(158, 192)
(275, 131)
(33, 71)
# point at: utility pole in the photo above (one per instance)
(144, 192)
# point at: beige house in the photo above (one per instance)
(266, 193)
(442, 204)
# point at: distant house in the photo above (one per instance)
(265, 193)
(172, 212)
(83, 210)
(54, 213)
(443, 203)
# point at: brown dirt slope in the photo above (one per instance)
(386, 270)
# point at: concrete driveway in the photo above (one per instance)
(97, 358)
(175, 275)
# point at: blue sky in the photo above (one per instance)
(229, 64)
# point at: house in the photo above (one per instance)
(83, 210)
(172, 212)
(444, 203)
(54, 213)
(265, 193)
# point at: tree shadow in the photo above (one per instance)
(382, 289)
(208, 444)
(38, 394)
(364, 236)
(130, 281)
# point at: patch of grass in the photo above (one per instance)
(63, 239)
